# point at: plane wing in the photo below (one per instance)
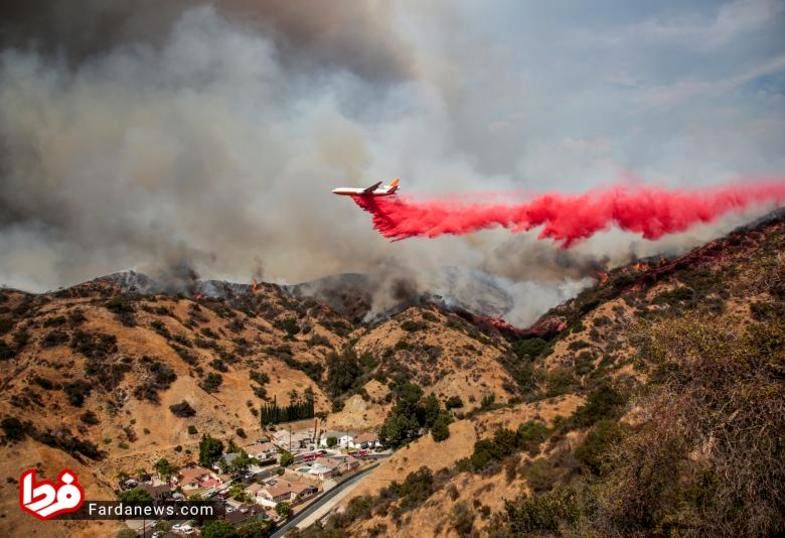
(372, 188)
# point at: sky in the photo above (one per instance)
(208, 135)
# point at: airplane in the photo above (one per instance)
(377, 189)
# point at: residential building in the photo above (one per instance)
(281, 490)
(262, 451)
(344, 439)
(365, 440)
(157, 491)
(323, 469)
(197, 477)
(293, 440)
(245, 513)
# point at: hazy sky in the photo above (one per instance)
(143, 134)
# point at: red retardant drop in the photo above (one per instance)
(651, 212)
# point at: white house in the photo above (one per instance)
(344, 439)
(262, 451)
(365, 440)
(323, 469)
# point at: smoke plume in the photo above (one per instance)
(186, 137)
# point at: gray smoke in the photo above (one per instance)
(160, 136)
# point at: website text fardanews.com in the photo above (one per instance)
(148, 510)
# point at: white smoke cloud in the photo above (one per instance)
(213, 137)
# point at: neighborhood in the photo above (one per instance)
(265, 481)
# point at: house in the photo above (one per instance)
(302, 490)
(158, 492)
(365, 440)
(292, 440)
(196, 477)
(274, 492)
(350, 463)
(282, 490)
(245, 513)
(323, 471)
(262, 451)
(338, 465)
(253, 492)
(343, 439)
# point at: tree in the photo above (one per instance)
(440, 429)
(343, 371)
(453, 402)
(219, 529)
(331, 442)
(237, 492)
(125, 533)
(135, 495)
(242, 462)
(286, 458)
(406, 417)
(209, 450)
(283, 509)
(165, 469)
(258, 529)
(432, 410)
(272, 413)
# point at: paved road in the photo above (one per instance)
(325, 497)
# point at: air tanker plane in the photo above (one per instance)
(377, 189)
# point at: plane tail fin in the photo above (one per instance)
(393, 185)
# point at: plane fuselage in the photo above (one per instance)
(349, 191)
(377, 189)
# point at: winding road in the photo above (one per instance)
(321, 501)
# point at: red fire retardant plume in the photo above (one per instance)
(649, 211)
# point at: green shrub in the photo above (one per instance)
(13, 428)
(605, 402)
(182, 409)
(54, 338)
(77, 392)
(593, 451)
(453, 402)
(560, 381)
(539, 514)
(212, 382)
(540, 475)
(530, 348)
(531, 434)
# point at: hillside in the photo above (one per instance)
(657, 410)
(650, 403)
(91, 372)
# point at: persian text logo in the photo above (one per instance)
(44, 499)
